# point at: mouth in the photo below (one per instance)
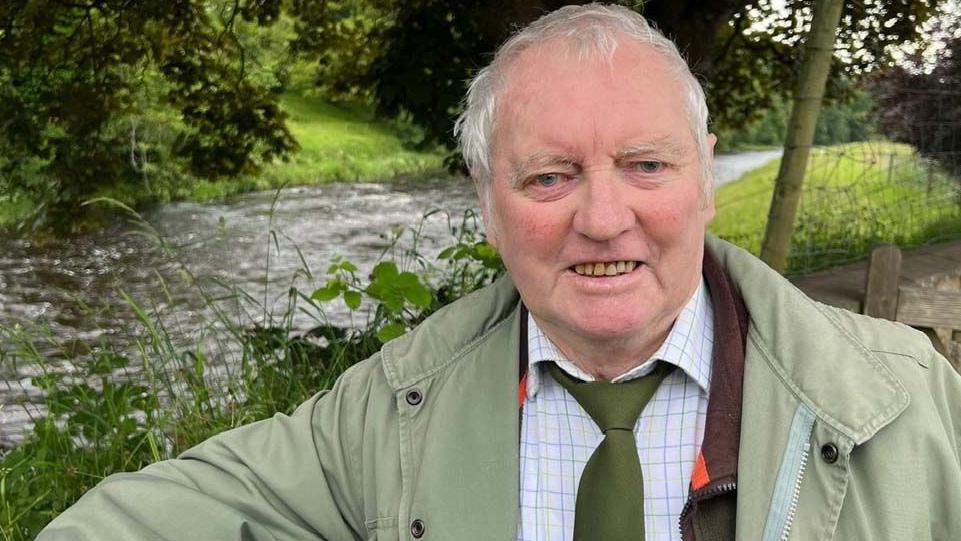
(605, 268)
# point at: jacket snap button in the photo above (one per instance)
(414, 397)
(829, 452)
(417, 528)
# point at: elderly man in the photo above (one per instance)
(629, 379)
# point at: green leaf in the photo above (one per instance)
(352, 299)
(384, 286)
(329, 292)
(387, 293)
(384, 270)
(390, 331)
(446, 252)
(485, 251)
(413, 290)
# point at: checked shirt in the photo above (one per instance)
(558, 436)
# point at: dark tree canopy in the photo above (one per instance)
(923, 109)
(75, 77)
(431, 48)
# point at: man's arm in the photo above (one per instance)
(285, 478)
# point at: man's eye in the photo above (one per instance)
(547, 180)
(648, 166)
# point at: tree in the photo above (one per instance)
(745, 51)
(922, 108)
(808, 94)
(76, 76)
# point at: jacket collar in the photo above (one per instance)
(450, 333)
(813, 353)
(803, 342)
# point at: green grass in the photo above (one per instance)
(855, 195)
(346, 144)
(338, 143)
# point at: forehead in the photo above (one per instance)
(556, 99)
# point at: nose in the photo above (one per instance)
(603, 211)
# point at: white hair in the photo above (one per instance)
(592, 29)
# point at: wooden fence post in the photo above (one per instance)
(920, 308)
(881, 291)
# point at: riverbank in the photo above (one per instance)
(339, 143)
(112, 408)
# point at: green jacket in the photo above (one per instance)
(424, 437)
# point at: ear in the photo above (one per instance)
(708, 206)
(490, 230)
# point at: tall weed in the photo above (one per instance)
(119, 408)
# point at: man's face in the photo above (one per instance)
(595, 167)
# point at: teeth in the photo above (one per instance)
(612, 268)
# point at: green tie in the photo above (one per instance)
(610, 496)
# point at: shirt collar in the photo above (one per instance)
(689, 346)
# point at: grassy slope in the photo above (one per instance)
(338, 143)
(854, 196)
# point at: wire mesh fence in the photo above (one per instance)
(857, 195)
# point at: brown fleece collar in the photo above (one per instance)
(717, 462)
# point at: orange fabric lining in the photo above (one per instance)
(700, 477)
(522, 392)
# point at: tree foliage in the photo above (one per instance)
(923, 109)
(77, 80)
(839, 122)
(745, 51)
(98, 93)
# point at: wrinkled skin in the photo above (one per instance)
(595, 161)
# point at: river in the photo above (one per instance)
(260, 243)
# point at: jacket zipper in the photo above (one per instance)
(787, 485)
(703, 494)
(796, 492)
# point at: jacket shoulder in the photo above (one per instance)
(450, 333)
(882, 336)
(932, 383)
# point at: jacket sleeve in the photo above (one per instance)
(284, 478)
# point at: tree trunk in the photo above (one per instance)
(808, 93)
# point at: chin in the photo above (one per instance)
(608, 329)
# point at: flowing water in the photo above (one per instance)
(260, 243)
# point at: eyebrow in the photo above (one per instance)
(663, 146)
(539, 160)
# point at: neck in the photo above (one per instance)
(606, 358)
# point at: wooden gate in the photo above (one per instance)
(934, 311)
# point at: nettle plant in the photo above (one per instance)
(399, 299)
(398, 296)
